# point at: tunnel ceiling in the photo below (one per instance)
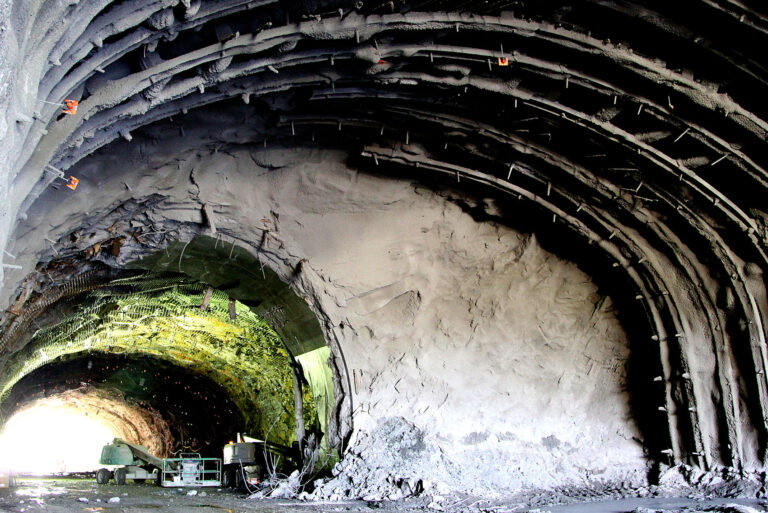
(234, 271)
(631, 132)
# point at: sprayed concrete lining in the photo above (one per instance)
(517, 232)
(499, 352)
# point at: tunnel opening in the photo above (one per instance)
(30, 441)
(144, 400)
(177, 366)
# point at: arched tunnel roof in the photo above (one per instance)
(234, 271)
(629, 135)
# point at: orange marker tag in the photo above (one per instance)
(71, 107)
(503, 61)
(73, 182)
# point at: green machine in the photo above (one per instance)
(137, 463)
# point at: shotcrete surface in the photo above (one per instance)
(504, 361)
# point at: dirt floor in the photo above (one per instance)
(78, 495)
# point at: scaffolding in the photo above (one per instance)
(190, 470)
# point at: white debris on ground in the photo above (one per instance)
(722, 482)
(738, 508)
(391, 463)
(114, 500)
(396, 461)
(280, 488)
(728, 508)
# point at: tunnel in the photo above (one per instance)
(466, 246)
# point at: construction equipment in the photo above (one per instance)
(70, 106)
(137, 463)
(245, 460)
(190, 470)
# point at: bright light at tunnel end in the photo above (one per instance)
(43, 440)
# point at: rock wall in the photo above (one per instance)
(505, 360)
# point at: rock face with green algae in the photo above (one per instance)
(242, 275)
(161, 317)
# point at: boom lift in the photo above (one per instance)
(137, 463)
(189, 469)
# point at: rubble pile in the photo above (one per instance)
(721, 482)
(392, 462)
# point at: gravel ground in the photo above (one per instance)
(79, 495)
